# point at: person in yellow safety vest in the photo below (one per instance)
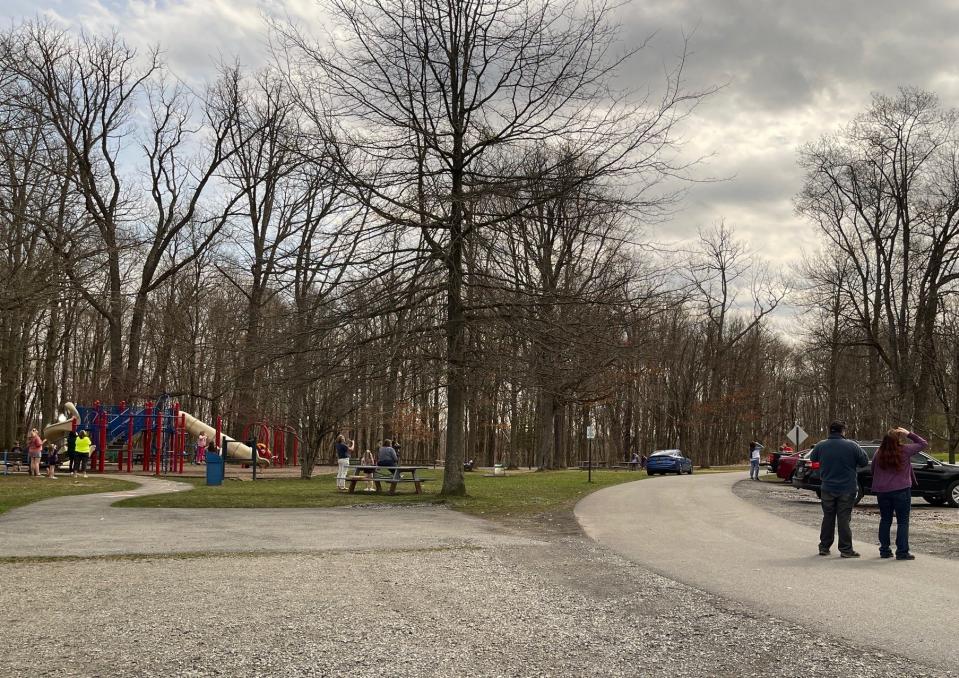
(84, 446)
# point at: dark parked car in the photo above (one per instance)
(668, 461)
(938, 482)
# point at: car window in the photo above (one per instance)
(870, 450)
(919, 459)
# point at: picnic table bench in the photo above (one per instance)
(584, 465)
(628, 465)
(16, 459)
(395, 477)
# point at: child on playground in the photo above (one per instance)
(369, 460)
(201, 445)
(53, 459)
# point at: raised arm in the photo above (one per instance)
(918, 444)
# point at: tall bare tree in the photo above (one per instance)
(424, 94)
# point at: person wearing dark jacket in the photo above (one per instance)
(72, 451)
(839, 462)
(386, 455)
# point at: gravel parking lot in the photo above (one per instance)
(561, 608)
(933, 530)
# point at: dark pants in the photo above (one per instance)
(836, 510)
(81, 464)
(898, 503)
(73, 461)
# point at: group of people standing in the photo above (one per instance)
(386, 455)
(79, 446)
(892, 482)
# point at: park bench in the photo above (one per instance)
(584, 465)
(16, 459)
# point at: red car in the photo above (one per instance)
(787, 465)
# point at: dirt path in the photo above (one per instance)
(86, 525)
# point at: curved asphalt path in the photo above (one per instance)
(87, 525)
(695, 530)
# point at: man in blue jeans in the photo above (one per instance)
(839, 460)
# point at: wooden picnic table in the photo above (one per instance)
(396, 475)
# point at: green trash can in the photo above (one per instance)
(215, 468)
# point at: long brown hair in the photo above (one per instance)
(889, 454)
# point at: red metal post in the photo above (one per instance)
(158, 446)
(103, 440)
(175, 440)
(129, 441)
(277, 453)
(147, 434)
(219, 431)
(182, 441)
(296, 449)
(123, 407)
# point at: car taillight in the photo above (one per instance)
(814, 465)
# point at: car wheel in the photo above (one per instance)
(952, 495)
(819, 493)
(934, 499)
(859, 493)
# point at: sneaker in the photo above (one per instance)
(906, 556)
(885, 555)
(54, 478)
(824, 552)
(73, 474)
(848, 554)
(84, 475)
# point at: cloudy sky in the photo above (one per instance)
(791, 71)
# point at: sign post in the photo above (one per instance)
(796, 435)
(590, 435)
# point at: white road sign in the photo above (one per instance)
(796, 435)
(590, 432)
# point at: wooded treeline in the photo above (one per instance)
(433, 230)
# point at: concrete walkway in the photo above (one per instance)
(695, 530)
(86, 525)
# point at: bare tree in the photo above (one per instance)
(885, 193)
(425, 93)
(86, 90)
(735, 292)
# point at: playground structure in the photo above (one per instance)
(155, 437)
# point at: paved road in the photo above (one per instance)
(86, 525)
(695, 530)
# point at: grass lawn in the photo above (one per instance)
(17, 490)
(517, 495)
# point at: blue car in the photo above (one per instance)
(668, 461)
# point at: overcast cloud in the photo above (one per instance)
(791, 72)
